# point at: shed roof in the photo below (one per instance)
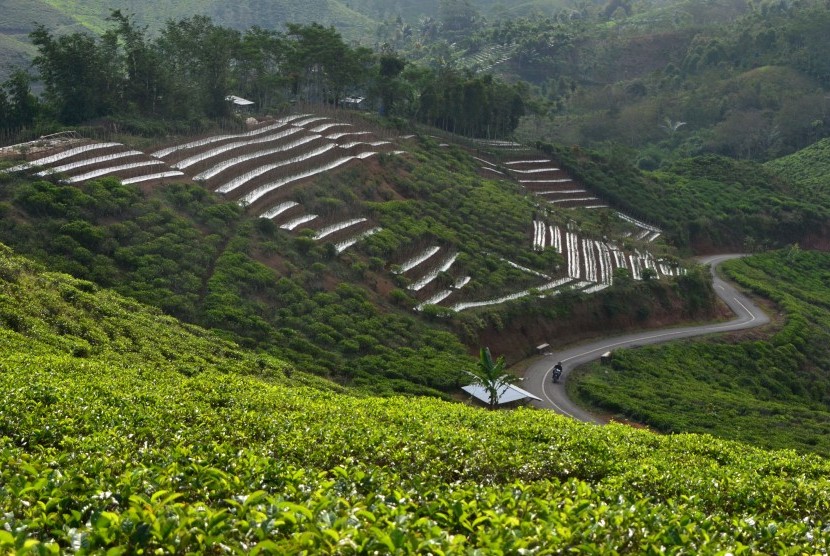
(239, 101)
(510, 393)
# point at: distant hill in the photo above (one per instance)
(17, 19)
(236, 15)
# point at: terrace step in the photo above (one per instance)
(247, 158)
(294, 223)
(428, 277)
(265, 189)
(62, 156)
(281, 210)
(250, 175)
(205, 162)
(177, 152)
(418, 259)
(345, 244)
(124, 170)
(93, 161)
(524, 268)
(159, 176)
(337, 227)
(552, 287)
(442, 294)
(435, 299)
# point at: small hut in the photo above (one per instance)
(240, 104)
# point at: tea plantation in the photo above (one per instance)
(123, 431)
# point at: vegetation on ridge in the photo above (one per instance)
(119, 449)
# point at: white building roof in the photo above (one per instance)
(509, 393)
(239, 101)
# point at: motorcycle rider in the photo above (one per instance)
(557, 371)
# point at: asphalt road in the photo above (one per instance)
(538, 378)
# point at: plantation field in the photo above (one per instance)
(771, 392)
(363, 273)
(808, 169)
(123, 430)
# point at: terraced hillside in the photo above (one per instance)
(125, 431)
(267, 169)
(331, 241)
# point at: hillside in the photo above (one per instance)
(239, 15)
(808, 170)
(49, 316)
(17, 20)
(338, 244)
(666, 80)
(122, 428)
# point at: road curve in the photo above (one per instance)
(537, 378)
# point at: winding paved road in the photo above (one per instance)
(538, 376)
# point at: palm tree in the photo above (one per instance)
(491, 376)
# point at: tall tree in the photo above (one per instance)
(388, 85)
(259, 71)
(21, 106)
(199, 56)
(458, 16)
(78, 72)
(5, 112)
(322, 67)
(139, 62)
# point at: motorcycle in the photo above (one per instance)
(557, 372)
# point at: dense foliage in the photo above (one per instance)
(772, 392)
(200, 259)
(162, 438)
(669, 79)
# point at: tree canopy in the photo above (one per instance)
(193, 65)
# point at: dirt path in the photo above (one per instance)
(554, 396)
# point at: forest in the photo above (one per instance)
(183, 77)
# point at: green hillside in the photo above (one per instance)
(772, 392)
(17, 19)
(238, 15)
(63, 319)
(359, 317)
(125, 431)
(808, 170)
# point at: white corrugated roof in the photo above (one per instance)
(509, 393)
(239, 101)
